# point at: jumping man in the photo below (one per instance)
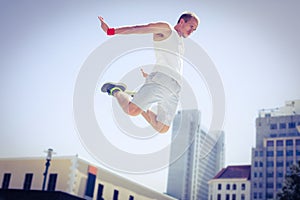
(163, 84)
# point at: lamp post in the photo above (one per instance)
(48, 159)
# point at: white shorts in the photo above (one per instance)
(161, 89)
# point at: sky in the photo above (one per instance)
(254, 46)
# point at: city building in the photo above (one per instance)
(195, 157)
(231, 183)
(73, 176)
(277, 148)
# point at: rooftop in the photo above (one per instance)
(238, 171)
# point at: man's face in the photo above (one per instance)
(188, 27)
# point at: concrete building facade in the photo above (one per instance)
(73, 176)
(277, 148)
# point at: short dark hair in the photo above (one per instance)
(186, 16)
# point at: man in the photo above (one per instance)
(163, 84)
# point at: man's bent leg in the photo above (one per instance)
(128, 107)
(151, 118)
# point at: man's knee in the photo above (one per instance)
(164, 129)
(133, 110)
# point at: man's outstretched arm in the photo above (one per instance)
(159, 29)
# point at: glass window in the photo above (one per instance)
(234, 186)
(261, 164)
(297, 152)
(270, 143)
(228, 187)
(227, 196)
(298, 142)
(242, 196)
(282, 125)
(233, 197)
(279, 164)
(270, 153)
(270, 164)
(279, 143)
(261, 153)
(289, 153)
(279, 153)
(270, 185)
(27, 181)
(219, 196)
(292, 125)
(6, 180)
(219, 186)
(243, 186)
(279, 174)
(289, 142)
(273, 126)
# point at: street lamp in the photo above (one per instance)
(48, 159)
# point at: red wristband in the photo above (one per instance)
(110, 31)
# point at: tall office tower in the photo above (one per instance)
(195, 157)
(277, 148)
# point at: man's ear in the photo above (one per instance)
(181, 21)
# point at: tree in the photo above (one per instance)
(291, 188)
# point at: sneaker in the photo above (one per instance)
(111, 88)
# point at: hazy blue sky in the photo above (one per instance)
(255, 46)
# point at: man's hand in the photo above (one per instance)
(104, 26)
(144, 73)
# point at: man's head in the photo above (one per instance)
(187, 23)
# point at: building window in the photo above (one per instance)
(255, 174)
(255, 164)
(219, 196)
(52, 182)
(270, 185)
(289, 142)
(279, 185)
(256, 153)
(116, 195)
(279, 143)
(255, 195)
(297, 152)
(298, 142)
(27, 181)
(282, 125)
(234, 186)
(227, 196)
(270, 153)
(261, 164)
(261, 153)
(131, 197)
(270, 164)
(100, 192)
(233, 197)
(279, 153)
(269, 195)
(279, 174)
(270, 143)
(243, 186)
(6, 180)
(270, 174)
(279, 164)
(289, 153)
(228, 187)
(292, 125)
(219, 186)
(273, 126)
(260, 174)
(242, 196)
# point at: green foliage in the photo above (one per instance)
(291, 188)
